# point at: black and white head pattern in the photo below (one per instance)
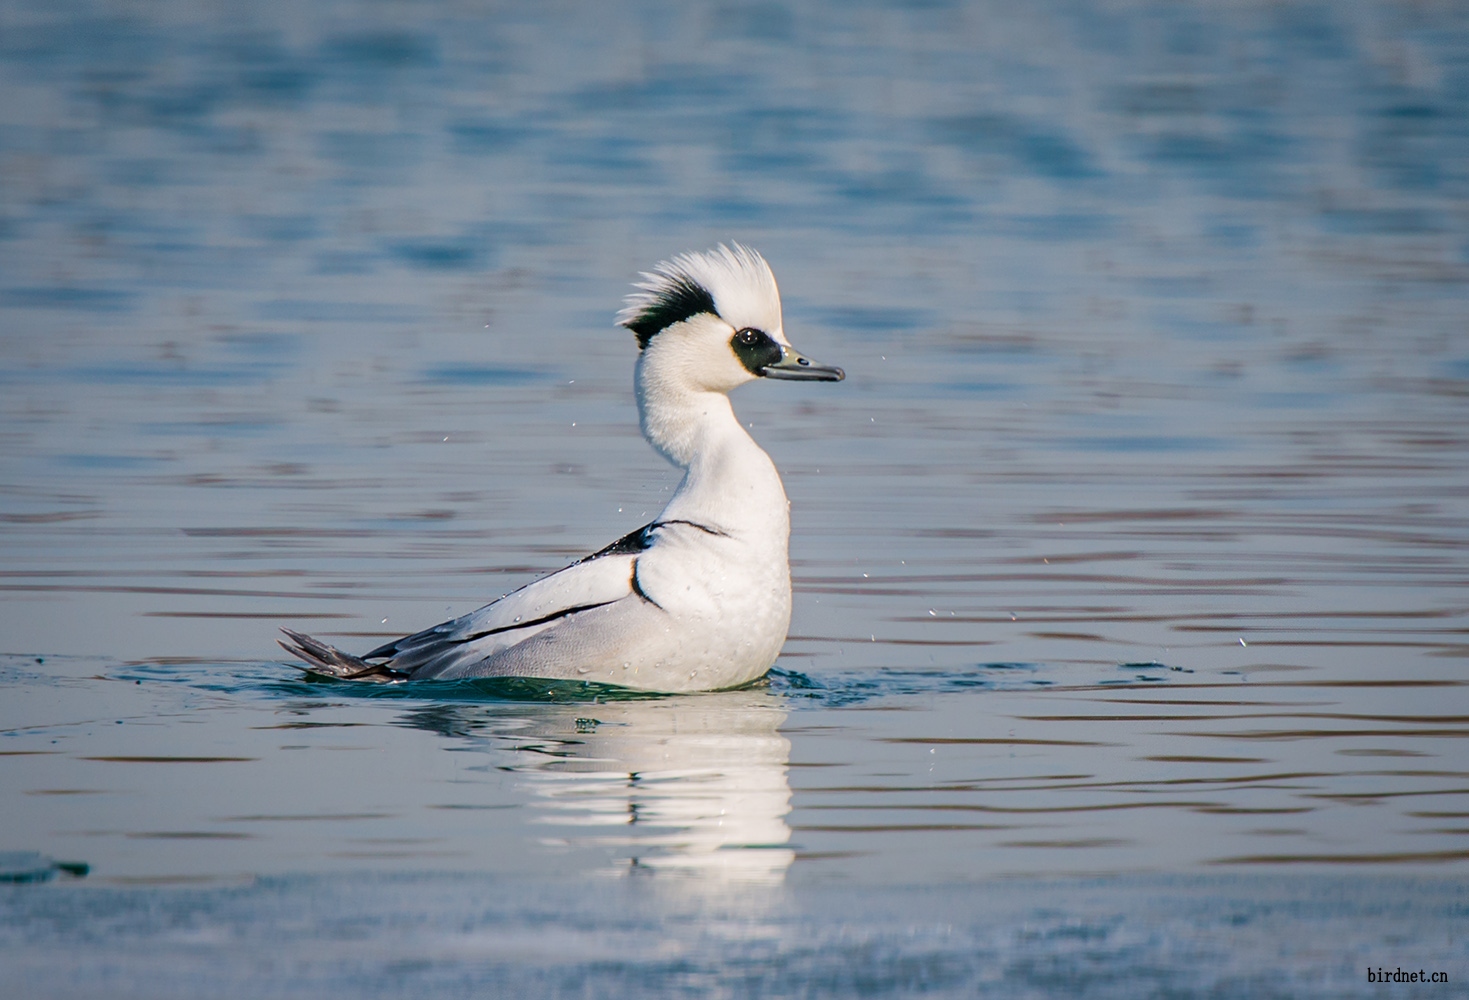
(732, 283)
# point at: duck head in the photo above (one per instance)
(709, 322)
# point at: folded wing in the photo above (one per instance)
(452, 646)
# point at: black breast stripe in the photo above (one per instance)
(692, 524)
(637, 588)
(640, 540)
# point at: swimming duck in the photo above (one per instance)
(698, 599)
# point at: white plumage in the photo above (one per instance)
(700, 598)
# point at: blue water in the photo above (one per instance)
(1130, 559)
(438, 936)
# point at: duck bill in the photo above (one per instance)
(797, 368)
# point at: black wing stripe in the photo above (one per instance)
(520, 625)
(629, 544)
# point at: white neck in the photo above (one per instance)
(729, 482)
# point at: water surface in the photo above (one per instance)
(1130, 560)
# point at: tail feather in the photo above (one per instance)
(329, 661)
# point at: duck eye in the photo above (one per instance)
(755, 349)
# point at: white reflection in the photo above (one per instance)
(696, 784)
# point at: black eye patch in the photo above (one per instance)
(755, 349)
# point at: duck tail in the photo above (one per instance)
(329, 661)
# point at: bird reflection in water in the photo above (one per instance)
(695, 785)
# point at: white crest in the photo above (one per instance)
(732, 279)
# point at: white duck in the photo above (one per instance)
(697, 600)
